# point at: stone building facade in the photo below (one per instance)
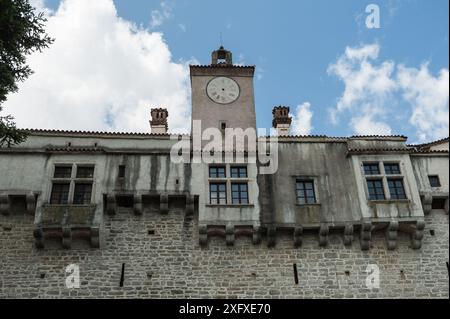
(340, 217)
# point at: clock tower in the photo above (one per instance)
(222, 93)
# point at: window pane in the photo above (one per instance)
(85, 171)
(60, 193)
(305, 192)
(82, 194)
(434, 181)
(392, 168)
(371, 168)
(396, 189)
(239, 172)
(63, 171)
(375, 188)
(121, 170)
(217, 172)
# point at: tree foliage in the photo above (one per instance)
(21, 33)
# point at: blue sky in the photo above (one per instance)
(294, 43)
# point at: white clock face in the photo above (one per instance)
(222, 90)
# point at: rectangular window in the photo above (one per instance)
(217, 172)
(392, 168)
(63, 172)
(434, 181)
(121, 170)
(82, 194)
(396, 188)
(218, 193)
(239, 172)
(375, 187)
(305, 192)
(85, 172)
(60, 193)
(371, 168)
(239, 193)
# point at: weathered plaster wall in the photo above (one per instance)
(336, 191)
(171, 264)
(431, 165)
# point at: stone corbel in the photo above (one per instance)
(31, 203)
(66, 237)
(324, 230)
(298, 233)
(95, 237)
(4, 204)
(426, 203)
(203, 235)
(417, 235)
(137, 204)
(256, 235)
(229, 235)
(110, 204)
(391, 235)
(366, 235)
(38, 235)
(271, 235)
(190, 200)
(66, 231)
(348, 234)
(164, 203)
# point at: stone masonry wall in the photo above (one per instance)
(171, 264)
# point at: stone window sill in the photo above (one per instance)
(388, 201)
(311, 204)
(229, 205)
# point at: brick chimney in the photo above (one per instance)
(158, 123)
(281, 120)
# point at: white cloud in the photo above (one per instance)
(364, 82)
(372, 94)
(158, 16)
(429, 97)
(101, 73)
(301, 123)
(366, 123)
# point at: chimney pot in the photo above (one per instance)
(281, 120)
(158, 123)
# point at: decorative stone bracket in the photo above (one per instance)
(229, 232)
(348, 234)
(391, 235)
(366, 235)
(324, 230)
(111, 203)
(298, 233)
(63, 220)
(426, 203)
(417, 234)
(5, 203)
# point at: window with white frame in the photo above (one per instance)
(72, 184)
(228, 185)
(384, 181)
